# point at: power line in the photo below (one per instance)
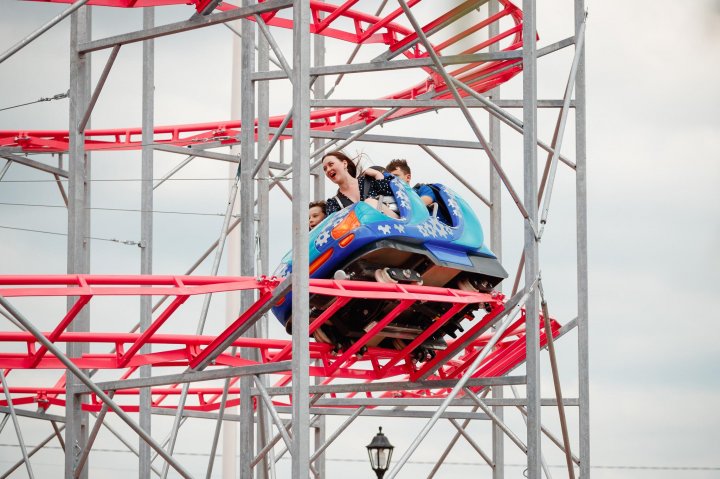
(121, 180)
(112, 240)
(130, 210)
(59, 96)
(561, 466)
(449, 463)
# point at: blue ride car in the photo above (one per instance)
(361, 243)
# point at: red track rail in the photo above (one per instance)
(337, 21)
(182, 351)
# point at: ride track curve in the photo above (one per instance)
(480, 76)
(197, 352)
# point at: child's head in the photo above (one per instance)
(317, 213)
(401, 169)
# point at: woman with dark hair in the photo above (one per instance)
(342, 171)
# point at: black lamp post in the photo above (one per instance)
(380, 451)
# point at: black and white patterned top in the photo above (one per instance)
(376, 188)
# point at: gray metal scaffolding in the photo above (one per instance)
(304, 428)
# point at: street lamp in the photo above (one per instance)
(380, 451)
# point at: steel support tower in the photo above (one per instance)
(314, 123)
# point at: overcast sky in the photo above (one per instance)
(653, 170)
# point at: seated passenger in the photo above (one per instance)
(401, 169)
(317, 213)
(373, 183)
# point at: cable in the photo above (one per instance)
(451, 463)
(59, 96)
(65, 180)
(112, 240)
(125, 146)
(190, 213)
(120, 180)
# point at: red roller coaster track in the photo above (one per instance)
(340, 21)
(336, 21)
(189, 351)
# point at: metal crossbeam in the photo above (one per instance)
(89, 383)
(190, 377)
(33, 414)
(388, 413)
(54, 21)
(392, 139)
(397, 385)
(192, 24)
(16, 425)
(34, 164)
(99, 87)
(393, 65)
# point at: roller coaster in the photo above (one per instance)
(484, 334)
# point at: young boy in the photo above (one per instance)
(401, 169)
(317, 213)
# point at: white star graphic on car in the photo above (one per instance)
(385, 229)
(454, 207)
(400, 228)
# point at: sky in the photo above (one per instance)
(653, 169)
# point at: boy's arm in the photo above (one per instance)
(426, 194)
(427, 200)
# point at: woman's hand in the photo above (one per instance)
(374, 173)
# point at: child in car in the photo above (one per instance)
(317, 213)
(401, 169)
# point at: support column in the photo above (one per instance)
(247, 217)
(531, 245)
(264, 430)
(301, 194)
(319, 94)
(146, 229)
(78, 255)
(498, 437)
(319, 433)
(319, 430)
(582, 259)
(246, 433)
(232, 300)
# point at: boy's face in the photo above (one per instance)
(316, 216)
(403, 176)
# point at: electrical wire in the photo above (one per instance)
(109, 180)
(130, 210)
(450, 463)
(112, 240)
(65, 180)
(59, 96)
